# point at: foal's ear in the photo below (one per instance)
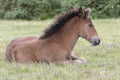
(81, 12)
(80, 9)
(87, 12)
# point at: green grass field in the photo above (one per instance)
(103, 61)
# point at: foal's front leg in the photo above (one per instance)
(78, 60)
(73, 57)
(73, 60)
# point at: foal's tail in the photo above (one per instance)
(8, 53)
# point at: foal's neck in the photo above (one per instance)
(68, 35)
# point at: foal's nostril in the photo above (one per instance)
(96, 41)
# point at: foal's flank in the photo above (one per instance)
(58, 41)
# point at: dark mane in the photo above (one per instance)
(60, 22)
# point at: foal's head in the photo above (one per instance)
(86, 27)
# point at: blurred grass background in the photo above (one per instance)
(46, 9)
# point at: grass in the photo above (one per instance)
(103, 60)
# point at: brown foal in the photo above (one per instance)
(58, 41)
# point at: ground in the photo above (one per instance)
(103, 61)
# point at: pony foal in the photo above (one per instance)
(58, 41)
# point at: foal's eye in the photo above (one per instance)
(90, 25)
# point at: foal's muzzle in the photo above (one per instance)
(95, 41)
